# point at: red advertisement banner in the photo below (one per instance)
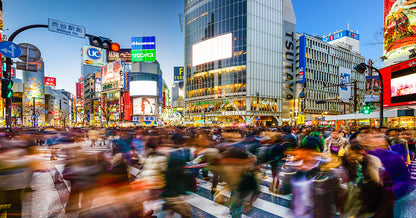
(79, 90)
(50, 81)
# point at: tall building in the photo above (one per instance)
(240, 61)
(325, 63)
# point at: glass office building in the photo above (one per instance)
(235, 57)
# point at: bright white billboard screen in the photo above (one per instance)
(217, 48)
(143, 88)
(144, 106)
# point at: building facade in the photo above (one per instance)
(319, 76)
(240, 61)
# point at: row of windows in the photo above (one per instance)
(325, 48)
(221, 8)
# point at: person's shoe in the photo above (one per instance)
(206, 178)
(53, 158)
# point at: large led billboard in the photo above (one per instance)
(399, 83)
(143, 49)
(217, 48)
(143, 88)
(403, 85)
(144, 106)
(399, 29)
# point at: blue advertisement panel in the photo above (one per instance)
(160, 88)
(177, 74)
(126, 82)
(341, 34)
(143, 43)
(302, 59)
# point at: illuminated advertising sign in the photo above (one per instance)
(372, 89)
(92, 56)
(143, 49)
(144, 106)
(50, 81)
(143, 55)
(399, 29)
(111, 72)
(126, 82)
(127, 106)
(399, 83)
(125, 55)
(177, 74)
(98, 85)
(79, 90)
(344, 90)
(302, 59)
(341, 34)
(113, 56)
(13, 72)
(143, 88)
(214, 49)
(1, 15)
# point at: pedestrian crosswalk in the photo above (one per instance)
(268, 204)
(413, 170)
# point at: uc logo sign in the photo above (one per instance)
(94, 53)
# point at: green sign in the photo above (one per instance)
(143, 55)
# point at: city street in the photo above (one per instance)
(50, 194)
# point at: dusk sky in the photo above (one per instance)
(120, 20)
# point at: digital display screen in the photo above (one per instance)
(403, 85)
(144, 106)
(143, 88)
(217, 48)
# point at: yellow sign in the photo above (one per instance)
(301, 119)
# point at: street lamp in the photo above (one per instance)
(361, 69)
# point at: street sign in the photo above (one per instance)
(10, 49)
(66, 28)
(27, 66)
(30, 52)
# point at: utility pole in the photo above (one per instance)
(370, 68)
(34, 112)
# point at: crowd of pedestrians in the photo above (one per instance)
(326, 172)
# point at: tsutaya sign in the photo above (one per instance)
(232, 113)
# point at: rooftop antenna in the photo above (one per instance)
(348, 26)
(180, 22)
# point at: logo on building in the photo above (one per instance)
(94, 53)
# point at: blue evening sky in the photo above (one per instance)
(122, 19)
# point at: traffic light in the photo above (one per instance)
(366, 109)
(6, 88)
(105, 43)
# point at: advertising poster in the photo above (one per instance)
(144, 106)
(125, 55)
(302, 59)
(98, 85)
(143, 49)
(399, 28)
(372, 89)
(113, 56)
(111, 72)
(79, 90)
(177, 74)
(344, 90)
(93, 56)
(50, 81)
